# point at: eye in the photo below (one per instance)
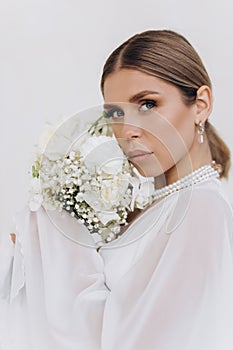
(147, 105)
(114, 113)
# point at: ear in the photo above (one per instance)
(203, 103)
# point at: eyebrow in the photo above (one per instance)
(141, 94)
(133, 98)
(110, 106)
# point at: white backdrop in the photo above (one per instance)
(52, 53)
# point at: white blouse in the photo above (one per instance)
(165, 284)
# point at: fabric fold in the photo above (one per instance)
(7, 249)
(58, 289)
(167, 283)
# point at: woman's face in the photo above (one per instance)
(152, 124)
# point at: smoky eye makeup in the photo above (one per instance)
(116, 112)
(147, 105)
(113, 112)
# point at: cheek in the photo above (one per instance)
(117, 130)
(185, 126)
(175, 135)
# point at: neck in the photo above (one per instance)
(198, 155)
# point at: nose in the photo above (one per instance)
(130, 131)
(130, 126)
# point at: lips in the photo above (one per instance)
(137, 154)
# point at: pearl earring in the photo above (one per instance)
(201, 130)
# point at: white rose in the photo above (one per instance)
(112, 190)
(108, 193)
(103, 211)
(107, 216)
(102, 152)
(93, 200)
(144, 194)
(143, 189)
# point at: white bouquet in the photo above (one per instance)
(94, 182)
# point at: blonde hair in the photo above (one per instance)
(169, 56)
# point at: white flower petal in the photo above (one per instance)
(35, 202)
(35, 186)
(102, 152)
(108, 216)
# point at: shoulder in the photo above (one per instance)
(210, 198)
(207, 197)
(204, 207)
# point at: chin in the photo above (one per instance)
(149, 171)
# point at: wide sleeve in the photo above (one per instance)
(7, 249)
(179, 294)
(57, 289)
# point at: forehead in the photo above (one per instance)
(121, 85)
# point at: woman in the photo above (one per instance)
(167, 282)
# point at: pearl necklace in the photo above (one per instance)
(198, 175)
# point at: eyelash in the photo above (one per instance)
(120, 112)
(146, 102)
(110, 114)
